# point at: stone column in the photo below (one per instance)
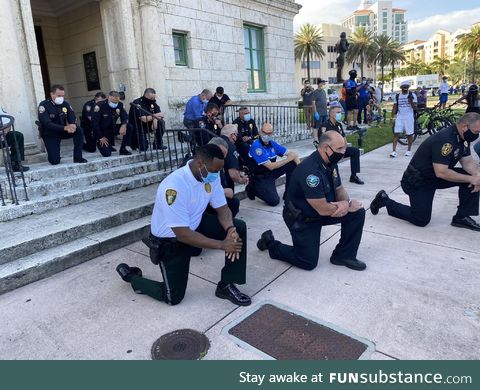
(21, 86)
(151, 24)
(121, 47)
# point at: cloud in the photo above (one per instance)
(324, 11)
(425, 28)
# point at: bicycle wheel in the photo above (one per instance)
(438, 123)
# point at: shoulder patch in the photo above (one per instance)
(170, 196)
(88, 108)
(41, 109)
(313, 181)
(96, 109)
(446, 149)
(258, 152)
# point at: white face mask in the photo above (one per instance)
(59, 100)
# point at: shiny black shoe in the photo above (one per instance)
(113, 149)
(250, 190)
(378, 202)
(127, 272)
(466, 223)
(355, 179)
(355, 264)
(265, 240)
(20, 168)
(230, 291)
(124, 152)
(79, 161)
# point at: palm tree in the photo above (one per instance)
(396, 55)
(308, 41)
(360, 47)
(381, 50)
(440, 65)
(469, 44)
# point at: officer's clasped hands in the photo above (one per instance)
(232, 245)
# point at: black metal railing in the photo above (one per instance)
(10, 182)
(288, 122)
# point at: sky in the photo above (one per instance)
(424, 16)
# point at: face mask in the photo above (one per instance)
(470, 136)
(266, 138)
(59, 100)
(205, 101)
(247, 117)
(113, 105)
(211, 176)
(338, 116)
(335, 157)
(353, 76)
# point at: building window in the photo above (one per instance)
(331, 49)
(313, 64)
(332, 80)
(180, 48)
(331, 64)
(254, 58)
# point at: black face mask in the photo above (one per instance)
(335, 157)
(470, 136)
(353, 76)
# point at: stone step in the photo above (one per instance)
(47, 187)
(25, 236)
(79, 195)
(53, 260)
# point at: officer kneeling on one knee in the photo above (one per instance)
(265, 168)
(433, 168)
(104, 122)
(180, 226)
(314, 199)
(57, 122)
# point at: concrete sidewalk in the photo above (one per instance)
(418, 299)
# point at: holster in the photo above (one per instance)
(412, 179)
(158, 247)
(291, 214)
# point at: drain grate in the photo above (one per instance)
(183, 344)
(287, 336)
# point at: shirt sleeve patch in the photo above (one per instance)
(313, 181)
(446, 149)
(170, 196)
(41, 109)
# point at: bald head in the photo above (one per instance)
(329, 143)
(267, 128)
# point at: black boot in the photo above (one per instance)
(355, 179)
(266, 239)
(127, 272)
(230, 291)
(378, 202)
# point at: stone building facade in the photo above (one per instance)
(177, 47)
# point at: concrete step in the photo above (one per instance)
(25, 236)
(53, 260)
(79, 195)
(46, 187)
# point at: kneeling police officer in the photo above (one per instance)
(57, 122)
(316, 198)
(180, 226)
(433, 168)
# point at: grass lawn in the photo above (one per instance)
(376, 137)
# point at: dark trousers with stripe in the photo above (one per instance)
(174, 264)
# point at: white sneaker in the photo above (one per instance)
(408, 153)
(393, 154)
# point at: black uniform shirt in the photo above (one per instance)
(246, 129)
(230, 162)
(134, 114)
(328, 125)
(445, 147)
(210, 125)
(87, 113)
(54, 117)
(105, 118)
(219, 102)
(312, 179)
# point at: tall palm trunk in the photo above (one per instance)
(308, 63)
(474, 72)
(362, 58)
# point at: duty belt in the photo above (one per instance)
(297, 215)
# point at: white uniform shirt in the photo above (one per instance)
(181, 200)
(444, 88)
(405, 110)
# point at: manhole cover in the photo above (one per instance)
(287, 336)
(183, 344)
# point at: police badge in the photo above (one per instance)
(117, 111)
(64, 109)
(208, 188)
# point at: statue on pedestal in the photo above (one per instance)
(341, 48)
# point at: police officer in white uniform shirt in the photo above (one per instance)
(180, 226)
